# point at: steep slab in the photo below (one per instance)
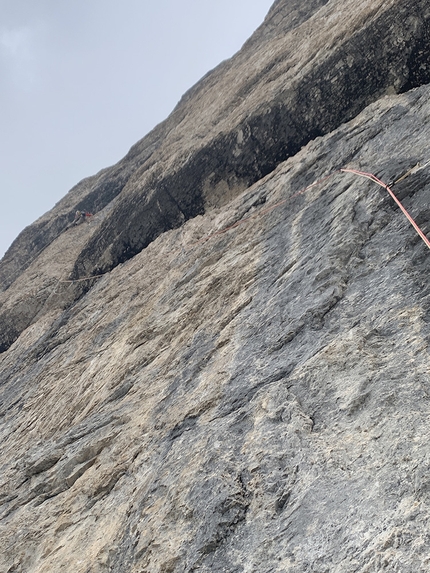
(304, 72)
(250, 393)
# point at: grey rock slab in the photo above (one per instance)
(248, 393)
(307, 69)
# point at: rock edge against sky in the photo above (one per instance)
(245, 387)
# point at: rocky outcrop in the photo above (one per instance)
(304, 72)
(245, 386)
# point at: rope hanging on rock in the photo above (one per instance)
(398, 202)
(301, 192)
(318, 182)
(82, 279)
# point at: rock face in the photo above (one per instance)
(245, 387)
(303, 73)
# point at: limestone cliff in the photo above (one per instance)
(219, 373)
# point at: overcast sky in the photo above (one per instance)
(82, 80)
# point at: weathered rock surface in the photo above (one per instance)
(304, 72)
(246, 388)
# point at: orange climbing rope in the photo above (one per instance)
(385, 186)
(318, 182)
(264, 211)
(83, 279)
(301, 192)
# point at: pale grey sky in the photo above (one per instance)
(83, 80)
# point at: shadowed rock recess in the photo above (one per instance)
(218, 374)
